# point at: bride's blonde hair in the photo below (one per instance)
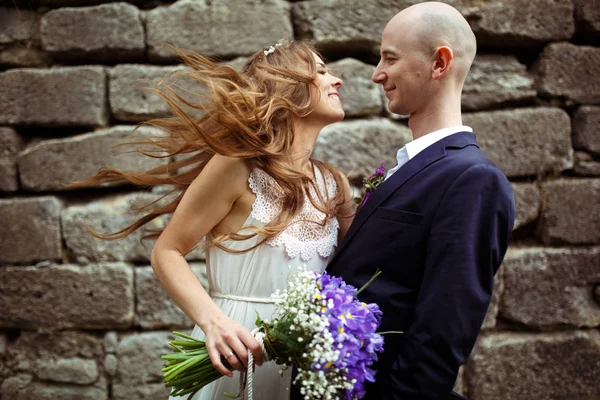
(247, 115)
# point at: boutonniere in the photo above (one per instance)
(370, 184)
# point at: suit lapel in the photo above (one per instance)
(421, 161)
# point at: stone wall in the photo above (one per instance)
(86, 319)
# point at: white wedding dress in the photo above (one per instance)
(241, 284)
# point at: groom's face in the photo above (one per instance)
(402, 71)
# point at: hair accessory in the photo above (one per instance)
(271, 49)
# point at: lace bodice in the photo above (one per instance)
(303, 237)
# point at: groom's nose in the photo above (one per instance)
(378, 75)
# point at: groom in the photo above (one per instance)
(439, 226)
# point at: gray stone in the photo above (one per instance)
(32, 229)
(587, 17)
(111, 363)
(108, 32)
(23, 55)
(111, 342)
(527, 198)
(360, 96)
(358, 147)
(67, 370)
(585, 165)
(495, 81)
(569, 71)
(2, 344)
(18, 25)
(61, 296)
(22, 388)
(104, 217)
(460, 384)
(586, 129)
(355, 26)
(63, 96)
(139, 372)
(492, 314)
(526, 141)
(10, 145)
(154, 308)
(525, 366)
(237, 63)
(226, 28)
(517, 24)
(571, 211)
(53, 164)
(587, 168)
(345, 26)
(130, 99)
(31, 346)
(551, 287)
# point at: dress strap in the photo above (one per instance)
(263, 300)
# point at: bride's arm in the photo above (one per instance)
(346, 211)
(206, 202)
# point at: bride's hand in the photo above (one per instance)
(230, 341)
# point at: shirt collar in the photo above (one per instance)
(418, 145)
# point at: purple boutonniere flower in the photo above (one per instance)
(371, 183)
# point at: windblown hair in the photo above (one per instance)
(246, 115)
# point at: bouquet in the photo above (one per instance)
(319, 327)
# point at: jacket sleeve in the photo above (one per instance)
(467, 242)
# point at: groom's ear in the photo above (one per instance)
(442, 58)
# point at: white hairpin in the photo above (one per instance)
(271, 49)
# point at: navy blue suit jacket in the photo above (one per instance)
(438, 229)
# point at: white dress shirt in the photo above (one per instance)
(416, 146)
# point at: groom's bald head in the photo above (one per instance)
(431, 25)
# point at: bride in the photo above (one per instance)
(250, 194)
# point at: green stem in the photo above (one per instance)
(375, 275)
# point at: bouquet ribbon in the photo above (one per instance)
(246, 377)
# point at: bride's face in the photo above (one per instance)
(327, 105)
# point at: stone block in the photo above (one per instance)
(106, 216)
(527, 199)
(551, 287)
(354, 27)
(60, 359)
(154, 308)
(360, 96)
(345, 27)
(62, 296)
(226, 28)
(31, 229)
(565, 70)
(18, 26)
(525, 141)
(497, 81)
(492, 314)
(108, 32)
(512, 23)
(586, 129)
(139, 370)
(571, 211)
(111, 362)
(587, 18)
(587, 168)
(67, 370)
(130, 100)
(53, 164)
(358, 147)
(525, 366)
(20, 38)
(62, 96)
(10, 145)
(22, 387)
